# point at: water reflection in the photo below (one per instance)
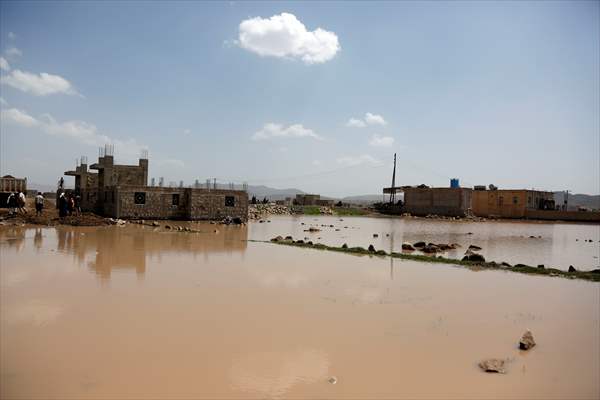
(116, 249)
(12, 237)
(552, 244)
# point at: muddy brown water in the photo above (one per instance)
(137, 312)
(553, 244)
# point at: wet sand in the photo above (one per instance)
(135, 312)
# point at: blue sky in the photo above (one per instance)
(311, 95)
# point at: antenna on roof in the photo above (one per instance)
(393, 191)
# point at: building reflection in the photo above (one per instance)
(122, 249)
(13, 237)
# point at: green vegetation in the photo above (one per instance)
(349, 211)
(522, 268)
(311, 210)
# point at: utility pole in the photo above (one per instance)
(393, 191)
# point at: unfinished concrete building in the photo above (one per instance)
(122, 191)
(452, 202)
(9, 184)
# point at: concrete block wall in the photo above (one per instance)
(194, 204)
(438, 201)
(158, 204)
(211, 204)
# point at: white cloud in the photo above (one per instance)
(370, 119)
(381, 141)
(18, 117)
(187, 131)
(316, 162)
(80, 131)
(38, 84)
(3, 102)
(356, 123)
(4, 65)
(272, 130)
(284, 36)
(11, 35)
(350, 161)
(374, 119)
(13, 52)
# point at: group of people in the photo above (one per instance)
(16, 203)
(69, 204)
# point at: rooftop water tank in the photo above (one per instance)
(454, 183)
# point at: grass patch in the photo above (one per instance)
(311, 210)
(349, 211)
(521, 268)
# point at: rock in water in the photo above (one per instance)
(277, 239)
(526, 341)
(344, 246)
(474, 248)
(430, 248)
(372, 248)
(407, 246)
(493, 365)
(474, 257)
(572, 269)
(419, 244)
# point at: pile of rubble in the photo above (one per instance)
(325, 211)
(259, 211)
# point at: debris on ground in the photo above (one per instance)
(493, 365)
(526, 341)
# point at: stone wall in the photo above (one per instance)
(177, 203)
(213, 204)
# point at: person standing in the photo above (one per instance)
(39, 203)
(21, 203)
(62, 205)
(78, 204)
(12, 204)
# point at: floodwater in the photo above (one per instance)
(137, 312)
(556, 245)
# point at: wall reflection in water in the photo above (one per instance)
(12, 238)
(111, 249)
(129, 248)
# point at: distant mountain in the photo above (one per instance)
(578, 200)
(271, 193)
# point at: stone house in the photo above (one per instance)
(122, 191)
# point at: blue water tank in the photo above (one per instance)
(454, 183)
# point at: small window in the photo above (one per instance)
(175, 199)
(139, 198)
(229, 201)
(515, 200)
(113, 196)
(500, 200)
(105, 196)
(529, 200)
